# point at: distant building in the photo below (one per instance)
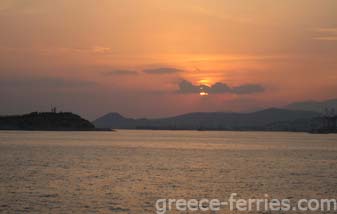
(53, 110)
(328, 122)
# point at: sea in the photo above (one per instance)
(128, 171)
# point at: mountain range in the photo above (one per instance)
(313, 105)
(301, 116)
(268, 119)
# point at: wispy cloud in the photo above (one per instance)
(101, 50)
(164, 70)
(326, 38)
(120, 72)
(326, 34)
(327, 30)
(87, 50)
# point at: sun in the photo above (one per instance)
(202, 91)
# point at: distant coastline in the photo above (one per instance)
(272, 119)
(47, 121)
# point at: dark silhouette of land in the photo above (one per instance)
(47, 121)
(328, 122)
(272, 119)
(317, 106)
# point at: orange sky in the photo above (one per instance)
(130, 56)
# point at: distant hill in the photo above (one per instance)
(47, 121)
(268, 119)
(313, 105)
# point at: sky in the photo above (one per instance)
(157, 58)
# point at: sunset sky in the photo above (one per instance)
(153, 58)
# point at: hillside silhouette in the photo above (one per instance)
(46, 121)
(272, 119)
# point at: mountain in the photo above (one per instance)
(46, 121)
(267, 119)
(313, 105)
(113, 120)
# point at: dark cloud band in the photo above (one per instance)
(162, 71)
(187, 87)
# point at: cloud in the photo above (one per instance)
(164, 70)
(98, 50)
(326, 38)
(187, 87)
(120, 72)
(101, 50)
(326, 34)
(327, 30)
(247, 89)
(218, 88)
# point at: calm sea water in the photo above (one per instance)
(127, 171)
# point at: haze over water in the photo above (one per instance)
(127, 171)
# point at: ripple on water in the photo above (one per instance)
(122, 173)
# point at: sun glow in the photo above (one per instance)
(204, 82)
